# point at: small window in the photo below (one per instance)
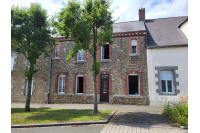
(26, 90)
(56, 51)
(105, 52)
(13, 56)
(80, 55)
(79, 84)
(166, 78)
(61, 84)
(133, 83)
(133, 46)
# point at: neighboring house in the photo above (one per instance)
(167, 59)
(123, 72)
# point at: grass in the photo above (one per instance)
(38, 116)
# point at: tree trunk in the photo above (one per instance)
(95, 95)
(28, 97)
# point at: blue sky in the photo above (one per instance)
(125, 10)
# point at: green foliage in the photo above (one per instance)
(95, 68)
(178, 113)
(30, 34)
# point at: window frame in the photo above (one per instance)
(82, 55)
(77, 76)
(138, 84)
(102, 50)
(135, 45)
(63, 81)
(55, 50)
(166, 83)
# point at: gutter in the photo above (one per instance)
(49, 79)
(181, 45)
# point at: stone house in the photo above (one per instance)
(131, 72)
(167, 59)
(122, 78)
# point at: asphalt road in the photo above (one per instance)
(61, 129)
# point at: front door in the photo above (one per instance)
(104, 92)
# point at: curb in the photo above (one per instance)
(65, 123)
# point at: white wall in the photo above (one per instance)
(170, 56)
(184, 28)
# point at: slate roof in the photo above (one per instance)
(165, 32)
(131, 26)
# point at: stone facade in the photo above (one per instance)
(120, 64)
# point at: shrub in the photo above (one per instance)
(178, 113)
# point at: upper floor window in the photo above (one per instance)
(79, 84)
(56, 51)
(133, 46)
(105, 52)
(80, 55)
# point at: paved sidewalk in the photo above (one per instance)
(110, 128)
(113, 107)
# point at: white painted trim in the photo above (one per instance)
(62, 84)
(134, 74)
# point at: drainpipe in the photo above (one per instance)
(49, 79)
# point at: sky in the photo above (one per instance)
(125, 10)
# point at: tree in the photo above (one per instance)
(90, 25)
(30, 36)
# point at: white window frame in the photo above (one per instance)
(133, 44)
(56, 52)
(63, 84)
(77, 76)
(13, 56)
(166, 84)
(102, 52)
(138, 84)
(26, 89)
(81, 53)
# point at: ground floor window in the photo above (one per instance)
(61, 85)
(166, 78)
(26, 90)
(79, 84)
(133, 83)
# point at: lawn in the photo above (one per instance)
(38, 116)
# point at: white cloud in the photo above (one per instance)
(127, 10)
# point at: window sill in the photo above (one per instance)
(55, 58)
(135, 96)
(80, 61)
(134, 54)
(168, 94)
(107, 60)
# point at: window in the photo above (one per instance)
(80, 55)
(133, 46)
(13, 56)
(26, 90)
(166, 78)
(27, 65)
(133, 83)
(105, 52)
(56, 51)
(61, 84)
(79, 84)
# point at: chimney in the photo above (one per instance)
(142, 14)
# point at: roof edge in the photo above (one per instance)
(181, 45)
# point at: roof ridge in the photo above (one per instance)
(167, 17)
